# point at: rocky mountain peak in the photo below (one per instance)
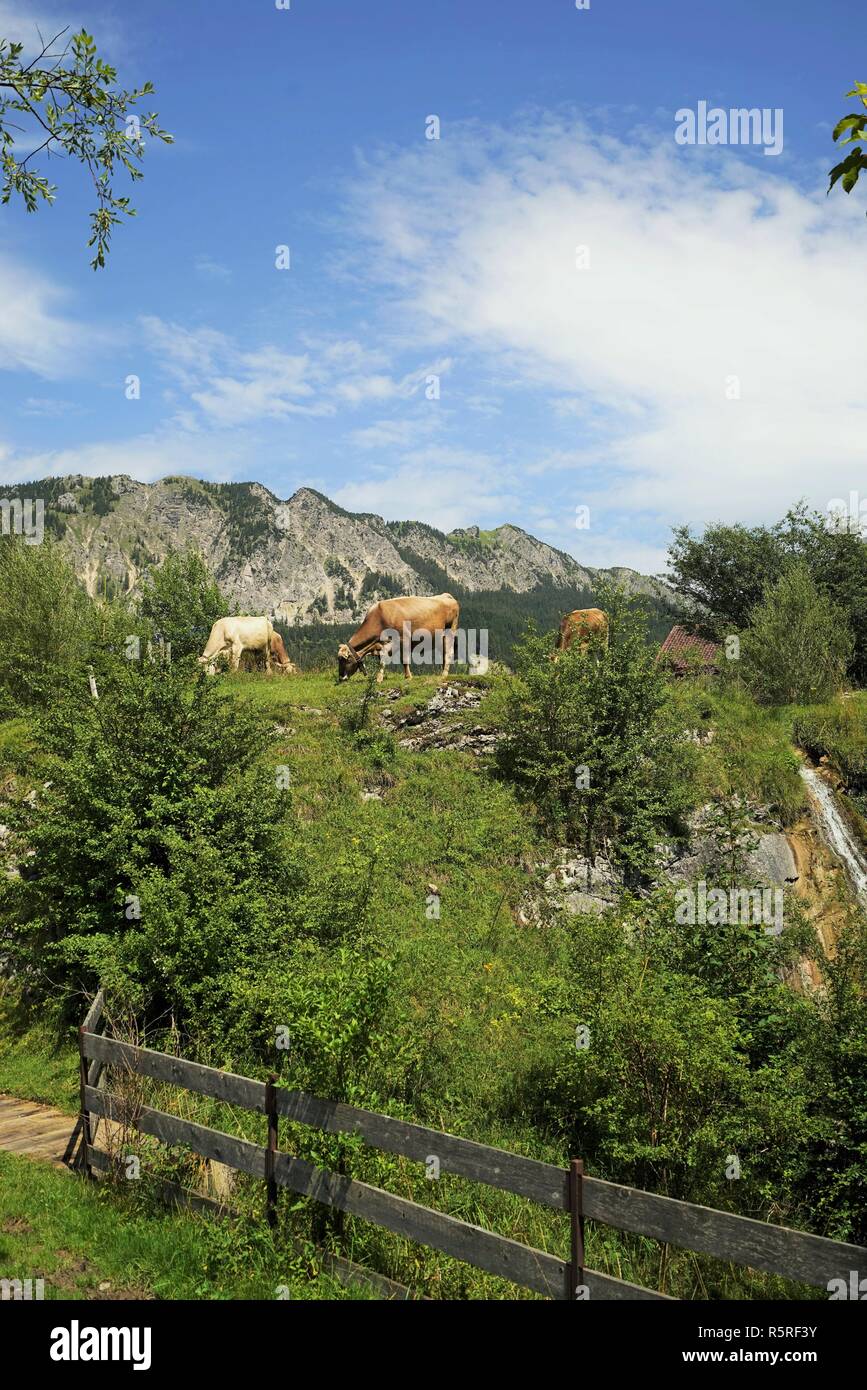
(305, 559)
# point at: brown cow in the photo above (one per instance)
(582, 625)
(398, 619)
(251, 661)
(280, 656)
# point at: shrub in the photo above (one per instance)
(46, 620)
(798, 642)
(689, 1031)
(595, 738)
(181, 602)
(156, 847)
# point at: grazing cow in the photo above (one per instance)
(403, 616)
(255, 661)
(280, 656)
(233, 636)
(582, 625)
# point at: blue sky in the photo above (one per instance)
(657, 332)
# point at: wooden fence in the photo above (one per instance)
(796, 1255)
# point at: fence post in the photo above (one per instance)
(271, 1150)
(85, 1117)
(576, 1211)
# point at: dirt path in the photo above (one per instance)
(39, 1131)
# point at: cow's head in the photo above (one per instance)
(213, 661)
(348, 662)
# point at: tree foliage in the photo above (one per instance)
(848, 130)
(180, 602)
(594, 737)
(724, 573)
(157, 797)
(798, 644)
(70, 105)
(46, 621)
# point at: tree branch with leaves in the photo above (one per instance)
(70, 107)
(848, 130)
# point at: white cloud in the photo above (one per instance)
(232, 386)
(272, 385)
(211, 269)
(24, 22)
(396, 434)
(186, 354)
(50, 407)
(703, 267)
(35, 336)
(446, 487)
(19, 22)
(146, 457)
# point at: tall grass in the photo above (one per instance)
(837, 731)
(751, 753)
(92, 1241)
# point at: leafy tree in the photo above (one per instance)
(723, 574)
(159, 843)
(181, 602)
(798, 643)
(46, 619)
(71, 106)
(852, 127)
(595, 739)
(837, 561)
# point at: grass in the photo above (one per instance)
(15, 744)
(88, 1242)
(751, 752)
(838, 732)
(35, 1062)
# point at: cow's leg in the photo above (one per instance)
(237, 652)
(267, 657)
(406, 649)
(449, 646)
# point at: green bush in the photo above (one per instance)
(689, 1032)
(46, 620)
(180, 602)
(156, 846)
(594, 737)
(798, 643)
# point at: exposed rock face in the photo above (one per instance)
(772, 860)
(438, 723)
(299, 559)
(767, 856)
(579, 886)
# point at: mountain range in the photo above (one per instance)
(304, 560)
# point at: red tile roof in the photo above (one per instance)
(682, 648)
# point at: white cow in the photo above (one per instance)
(237, 635)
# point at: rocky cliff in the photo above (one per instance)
(300, 559)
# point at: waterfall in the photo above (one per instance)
(836, 832)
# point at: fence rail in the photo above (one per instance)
(795, 1255)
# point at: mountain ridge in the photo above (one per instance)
(304, 559)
